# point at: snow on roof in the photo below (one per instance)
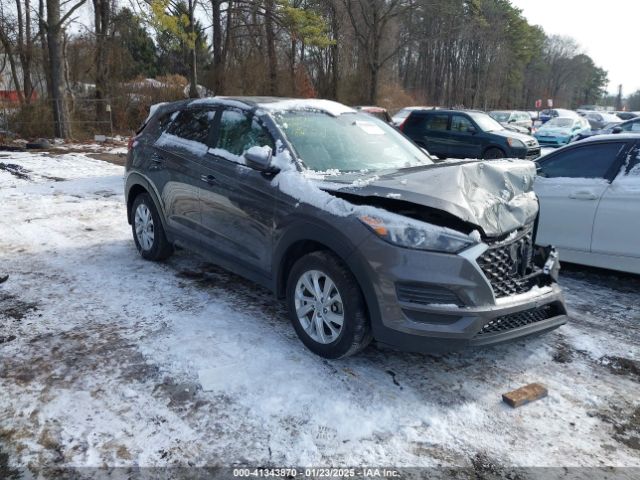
(328, 106)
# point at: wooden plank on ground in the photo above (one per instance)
(527, 394)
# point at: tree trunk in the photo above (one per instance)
(61, 121)
(102, 16)
(193, 55)
(271, 46)
(218, 64)
(335, 63)
(6, 44)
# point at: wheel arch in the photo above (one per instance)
(304, 238)
(137, 184)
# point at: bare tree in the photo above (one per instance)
(54, 26)
(370, 20)
(103, 11)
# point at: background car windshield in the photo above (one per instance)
(349, 142)
(561, 122)
(500, 116)
(485, 122)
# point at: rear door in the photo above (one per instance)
(570, 185)
(175, 164)
(238, 202)
(617, 225)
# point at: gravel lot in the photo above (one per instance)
(109, 360)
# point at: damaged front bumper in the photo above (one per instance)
(434, 302)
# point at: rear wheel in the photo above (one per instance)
(493, 153)
(148, 233)
(326, 306)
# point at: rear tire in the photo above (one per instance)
(326, 307)
(493, 153)
(148, 232)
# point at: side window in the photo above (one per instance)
(165, 120)
(437, 122)
(588, 161)
(414, 123)
(239, 132)
(633, 169)
(461, 124)
(193, 125)
(632, 126)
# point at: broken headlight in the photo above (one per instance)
(417, 235)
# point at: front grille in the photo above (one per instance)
(424, 294)
(508, 264)
(519, 319)
(533, 154)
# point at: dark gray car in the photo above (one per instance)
(344, 217)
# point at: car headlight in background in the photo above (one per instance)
(515, 143)
(418, 235)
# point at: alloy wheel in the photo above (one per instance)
(319, 306)
(143, 222)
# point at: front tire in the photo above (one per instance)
(148, 233)
(493, 154)
(326, 307)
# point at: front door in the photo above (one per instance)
(570, 187)
(238, 202)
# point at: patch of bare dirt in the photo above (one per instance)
(115, 158)
(14, 308)
(621, 366)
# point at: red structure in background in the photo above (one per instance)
(12, 96)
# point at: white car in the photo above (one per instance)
(589, 195)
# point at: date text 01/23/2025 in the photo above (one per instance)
(316, 472)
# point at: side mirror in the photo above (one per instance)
(617, 129)
(259, 158)
(513, 120)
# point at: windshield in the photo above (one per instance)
(485, 122)
(348, 143)
(561, 122)
(500, 116)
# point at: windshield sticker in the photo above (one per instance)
(369, 128)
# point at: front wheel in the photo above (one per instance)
(326, 307)
(493, 153)
(148, 233)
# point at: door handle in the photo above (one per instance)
(583, 195)
(210, 179)
(157, 160)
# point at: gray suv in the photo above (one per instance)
(348, 220)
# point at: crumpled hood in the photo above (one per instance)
(495, 196)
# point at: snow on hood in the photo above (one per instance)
(495, 196)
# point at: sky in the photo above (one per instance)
(606, 30)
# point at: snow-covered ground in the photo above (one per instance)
(109, 360)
